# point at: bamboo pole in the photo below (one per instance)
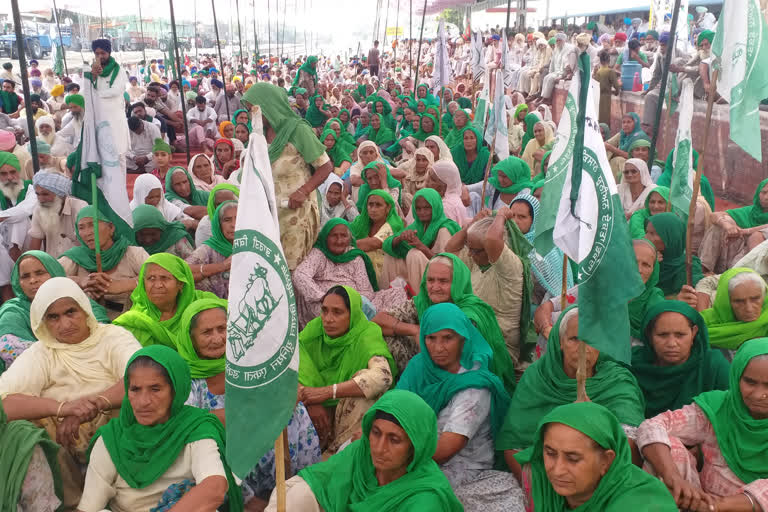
(418, 54)
(143, 42)
(697, 181)
(221, 59)
(20, 50)
(564, 291)
(177, 56)
(280, 472)
(61, 39)
(487, 172)
(239, 43)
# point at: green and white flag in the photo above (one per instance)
(740, 48)
(263, 329)
(497, 123)
(681, 188)
(581, 213)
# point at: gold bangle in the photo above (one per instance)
(109, 404)
(58, 412)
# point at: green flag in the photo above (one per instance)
(681, 188)
(581, 213)
(263, 329)
(740, 48)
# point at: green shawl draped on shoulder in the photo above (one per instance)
(422, 134)
(324, 361)
(429, 99)
(666, 178)
(752, 215)
(288, 126)
(437, 386)
(545, 385)
(314, 116)
(196, 197)
(307, 68)
(386, 113)
(427, 234)
(384, 135)
(624, 486)
(217, 241)
(337, 154)
(626, 140)
(637, 220)
(470, 173)
(14, 313)
(199, 368)
(344, 136)
(143, 319)
(651, 295)
(18, 440)
(347, 481)
(142, 454)
(530, 121)
(9, 102)
(146, 216)
(743, 440)
(514, 168)
(479, 312)
(365, 189)
(672, 277)
(234, 119)
(85, 257)
(668, 388)
(725, 331)
(361, 226)
(352, 253)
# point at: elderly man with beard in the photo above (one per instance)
(698, 67)
(53, 220)
(231, 97)
(213, 95)
(17, 200)
(72, 122)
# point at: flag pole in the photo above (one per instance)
(95, 203)
(239, 43)
(218, 46)
(418, 54)
(410, 38)
(178, 66)
(280, 472)
(564, 291)
(440, 130)
(25, 83)
(61, 40)
(697, 182)
(488, 169)
(143, 41)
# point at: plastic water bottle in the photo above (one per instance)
(637, 85)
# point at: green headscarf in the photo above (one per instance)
(212, 196)
(196, 197)
(519, 109)
(421, 134)
(464, 102)
(437, 386)
(545, 386)
(743, 440)
(478, 311)
(725, 331)
(143, 319)
(336, 153)
(85, 257)
(473, 173)
(288, 126)
(672, 268)
(637, 132)
(14, 313)
(514, 168)
(651, 295)
(623, 487)
(314, 117)
(9, 101)
(199, 368)
(453, 137)
(753, 215)
(666, 178)
(429, 99)
(428, 235)
(668, 388)
(234, 117)
(307, 68)
(386, 116)
(146, 216)
(347, 481)
(638, 219)
(352, 253)
(365, 189)
(362, 223)
(343, 135)
(142, 454)
(324, 361)
(384, 135)
(217, 241)
(530, 121)
(18, 440)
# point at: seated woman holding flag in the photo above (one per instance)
(210, 263)
(344, 367)
(202, 343)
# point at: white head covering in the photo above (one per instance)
(445, 152)
(145, 184)
(625, 194)
(453, 206)
(215, 178)
(48, 120)
(547, 112)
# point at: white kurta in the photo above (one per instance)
(112, 109)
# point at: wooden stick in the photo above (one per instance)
(280, 471)
(564, 292)
(697, 181)
(488, 168)
(440, 130)
(581, 374)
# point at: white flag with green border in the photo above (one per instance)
(681, 188)
(741, 50)
(263, 329)
(581, 213)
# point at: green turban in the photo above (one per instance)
(9, 159)
(653, 34)
(75, 99)
(43, 148)
(707, 34)
(161, 145)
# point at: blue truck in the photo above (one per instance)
(38, 38)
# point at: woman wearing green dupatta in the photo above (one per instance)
(344, 366)
(166, 287)
(317, 112)
(731, 428)
(337, 260)
(210, 263)
(181, 191)
(666, 177)
(648, 266)
(376, 176)
(409, 251)
(306, 75)
(655, 203)
(335, 150)
(120, 262)
(166, 454)
(606, 479)
(529, 121)
(202, 343)
(617, 146)
(470, 156)
(675, 362)
(384, 109)
(427, 126)
(551, 382)
(344, 136)
(371, 475)
(740, 310)
(667, 232)
(246, 120)
(29, 471)
(155, 234)
(735, 232)
(460, 120)
(422, 93)
(508, 178)
(380, 133)
(219, 194)
(30, 271)
(378, 220)
(451, 373)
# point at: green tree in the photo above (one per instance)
(452, 16)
